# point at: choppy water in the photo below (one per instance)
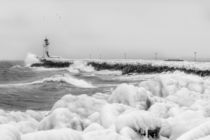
(24, 88)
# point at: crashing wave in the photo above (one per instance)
(80, 66)
(57, 78)
(31, 59)
(68, 79)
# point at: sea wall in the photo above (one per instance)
(127, 68)
(52, 64)
(131, 67)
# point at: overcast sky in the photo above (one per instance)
(77, 28)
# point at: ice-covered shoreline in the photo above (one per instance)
(160, 108)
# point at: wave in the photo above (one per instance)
(57, 78)
(31, 59)
(80, 66)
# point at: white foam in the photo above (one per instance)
(57, 78)
(31, 59)
(80, 66)
(69, 79)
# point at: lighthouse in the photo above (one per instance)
(46, 48)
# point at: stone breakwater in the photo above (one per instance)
(127, 68)
(52, 64)
(145, 68)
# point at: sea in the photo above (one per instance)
(26, 88)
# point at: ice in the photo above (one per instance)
(204, 138)
(199, 132)
(109, 114)
(104, 135)
(184, 121)
(9, 132)
(93, 127)
(138, 121)
(183, 97)
(130, 95)
(83, 105)
(58, 118)
(95, 117)
(56, 134)
(160, 110)
(128, 121)
(26, 126)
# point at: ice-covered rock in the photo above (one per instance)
(9, 132)
(93, 127)
(61, 118)
(200, 132)
(26, 126)
(154, 86)
(104, 135)
(83, 105)
(56, 134)
(142, 122)
(160, 109)
(184, 121)
(130, 95)
(110, 112)
(183, 97)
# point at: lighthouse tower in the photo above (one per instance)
(46, 48)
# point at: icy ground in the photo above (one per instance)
(171, 106)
